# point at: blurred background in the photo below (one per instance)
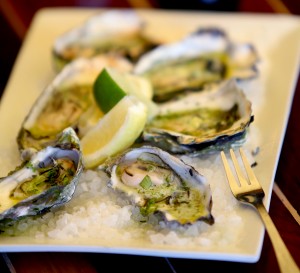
(16, 16)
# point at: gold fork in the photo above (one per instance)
(252, 193)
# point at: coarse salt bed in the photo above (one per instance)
(98, 212)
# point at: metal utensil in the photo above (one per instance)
(250, 192)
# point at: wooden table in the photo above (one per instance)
(288, 181)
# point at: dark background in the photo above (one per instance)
(15, 18)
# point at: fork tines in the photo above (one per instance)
(252, 193)
(246, 186)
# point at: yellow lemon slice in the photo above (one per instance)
(116, 131)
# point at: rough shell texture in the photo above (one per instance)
(208, 121)
(67, 101)
(205, 56)
(156, 182)
(117, 31)
(45, 181)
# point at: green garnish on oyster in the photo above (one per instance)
(200, 122)
(172, 78)
(67, 102)
(65, 107)
(45, 181)
(206, 56)
(156, 181)
(59, 173)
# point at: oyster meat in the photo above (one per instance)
(67, 101)
(156, 181)
(201, 122)
(117, 31)
(45, 181)
(205, 56)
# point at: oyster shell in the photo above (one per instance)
(201, 122)
(46, 181)
(116, 31)
(205, 56)
(156, 181)
(67, 101)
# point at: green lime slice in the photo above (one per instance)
(112, 85)
(107, 92)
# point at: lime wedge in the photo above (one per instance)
(107, 91)
(116, 131)
(112, 85)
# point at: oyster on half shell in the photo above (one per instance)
(67, 102)
(118, 31)
(201, 122)
(45, 181)
(205, 56)
(156, 181)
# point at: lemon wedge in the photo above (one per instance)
(116, 131)
(112, 85)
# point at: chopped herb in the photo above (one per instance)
(146, 183)
(197, 122)
(149, 208)
(169, 178)
(151, 168)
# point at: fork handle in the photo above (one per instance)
(285, 260)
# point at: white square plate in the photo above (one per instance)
(277, 39)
